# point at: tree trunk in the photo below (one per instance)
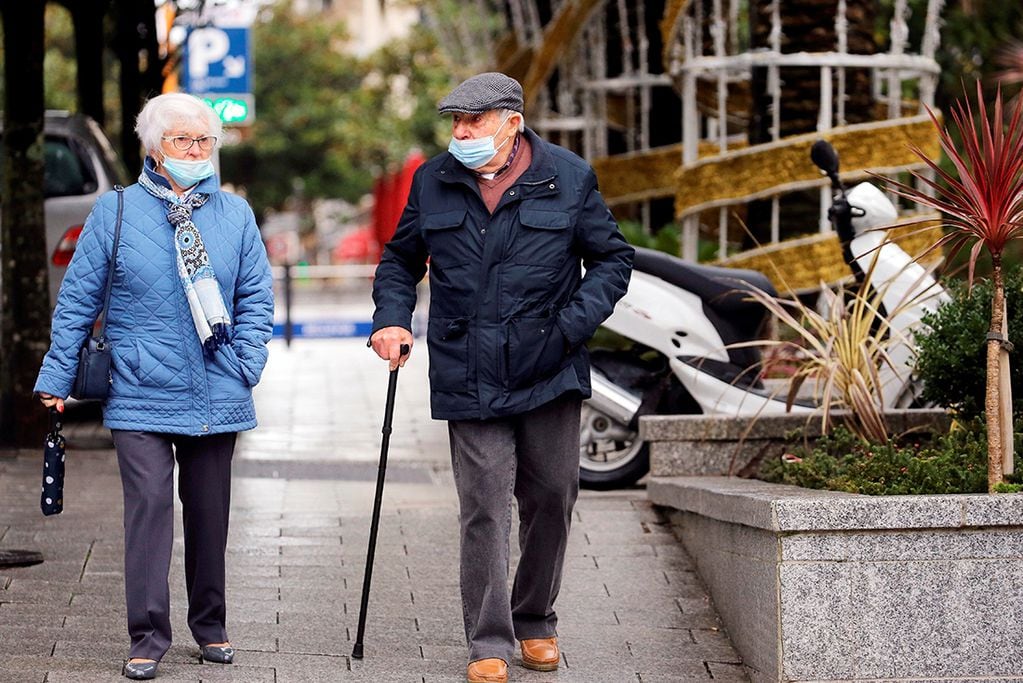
(88, 21)
(24, 289)
(131, 44)
(807, 26)
(1005, 409)
(152, 74)
(992, 398)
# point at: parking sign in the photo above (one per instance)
(217, 66)
(217, 61)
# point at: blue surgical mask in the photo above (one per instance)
(477, 153)
(187, 173)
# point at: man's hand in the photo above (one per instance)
(51, 401)
(387, 343)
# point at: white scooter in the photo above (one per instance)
(684, 321)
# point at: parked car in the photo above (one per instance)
(80, 166)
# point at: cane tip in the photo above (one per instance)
(357, 651)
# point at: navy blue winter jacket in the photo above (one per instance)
(162, 381)
(510, 309)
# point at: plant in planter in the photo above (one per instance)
(950, 357)
(921, 464)
(844, 348)
(913, 464)
(982, 204)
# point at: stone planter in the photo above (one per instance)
(685, 445)
(826, 586)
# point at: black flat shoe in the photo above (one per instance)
(140, 671)
(218, 654)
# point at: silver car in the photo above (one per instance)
(80, 166)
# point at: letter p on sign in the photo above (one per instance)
(206, 46)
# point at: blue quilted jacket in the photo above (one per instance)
(161, 379)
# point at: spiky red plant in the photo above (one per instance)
(1010, 58)
(982, 203)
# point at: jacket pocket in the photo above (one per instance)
(445, 238)
(227, 358)
(545, 238)
(536, 350)
(448, 340)
(158, 366)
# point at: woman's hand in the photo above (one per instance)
(51, 401)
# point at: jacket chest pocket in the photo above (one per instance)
(447, 238)
(544, 238)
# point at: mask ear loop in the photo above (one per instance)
(510, 137)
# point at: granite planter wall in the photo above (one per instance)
(685, 445)
(826, 586)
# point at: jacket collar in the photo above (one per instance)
(207, 186)
(541, 167)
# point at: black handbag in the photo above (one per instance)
(93, 378)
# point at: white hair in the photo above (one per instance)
(505, 113)
(175, 110)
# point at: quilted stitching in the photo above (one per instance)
(163, 382)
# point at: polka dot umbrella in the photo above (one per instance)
(51, 500)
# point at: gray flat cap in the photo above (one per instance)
(482, 93)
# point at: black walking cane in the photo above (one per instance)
(392, 385)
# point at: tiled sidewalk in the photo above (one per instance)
(631, 609)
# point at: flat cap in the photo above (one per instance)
(483, 92)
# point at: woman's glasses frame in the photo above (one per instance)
(183, 143)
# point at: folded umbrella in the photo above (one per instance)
(52, 498)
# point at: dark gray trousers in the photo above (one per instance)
(535, 458)
(146, 461)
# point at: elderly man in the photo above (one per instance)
(507, 222)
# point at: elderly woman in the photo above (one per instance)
(190, 315)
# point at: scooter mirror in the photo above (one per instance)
(825, 156)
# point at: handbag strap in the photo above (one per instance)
(113, 264)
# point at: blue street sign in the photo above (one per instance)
(327, 329)
(217, 60)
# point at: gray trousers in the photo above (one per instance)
(535, 458)
(146, 461)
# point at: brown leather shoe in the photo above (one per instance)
(487, 671)
(540, 654)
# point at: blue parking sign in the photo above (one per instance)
(217, 60)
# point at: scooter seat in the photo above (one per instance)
(726, 290)
(725, 295)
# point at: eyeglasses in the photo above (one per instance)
(184, 142)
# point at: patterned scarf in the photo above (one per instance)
(205, 300)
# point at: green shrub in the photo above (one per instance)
(666, 238)
(952, 355)
(952, 463)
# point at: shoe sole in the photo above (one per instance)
(541, 666)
